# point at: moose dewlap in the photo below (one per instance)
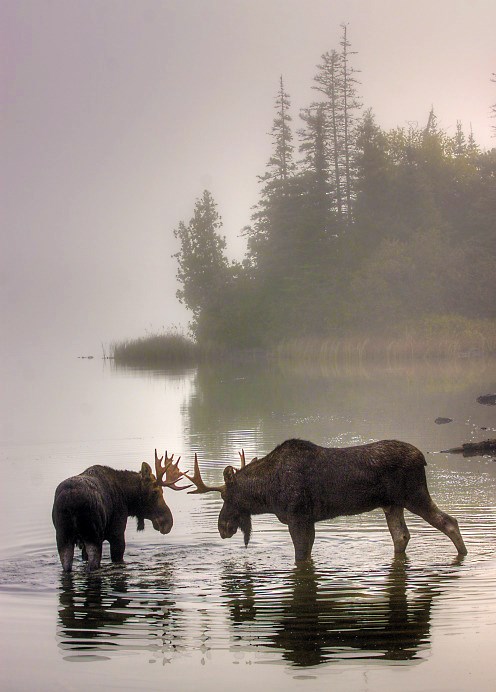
(302, 483)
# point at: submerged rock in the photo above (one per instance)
(487, 399)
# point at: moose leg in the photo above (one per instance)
(302, 530)
(397, 528)
(94, 553)
(442, 521)
(117, 547)
(65, 548)
(66, 554)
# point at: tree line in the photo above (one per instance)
(356, 229)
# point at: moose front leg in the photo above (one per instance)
(117, 548)
(117, 541)
(302, 530)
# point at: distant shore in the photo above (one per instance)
(433, 338)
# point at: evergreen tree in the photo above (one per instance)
(493, 107)
(350, 105)
(315, 162)
(281, 166)
(266, 236)
(374, 184)
(328, 83)
(203, 270)
(336, 80)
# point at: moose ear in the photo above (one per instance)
(229, 474)
(146, 470)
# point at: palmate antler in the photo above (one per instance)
(201, 487)
(171, 471)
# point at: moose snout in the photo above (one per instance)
(227, 529)
(163, 524)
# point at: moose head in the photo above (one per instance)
(237, 508)
(153, 505)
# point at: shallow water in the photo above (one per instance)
(190, 611)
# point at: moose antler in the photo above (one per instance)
(171, 471)
(243, 460)
(200, 485)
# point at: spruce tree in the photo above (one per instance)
(350, 105)
(328, 83)
(203, 269)
(266, 236)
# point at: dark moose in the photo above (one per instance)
(94, 506)
(302, 483)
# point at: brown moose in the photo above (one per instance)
(302, 483)
(94, 506)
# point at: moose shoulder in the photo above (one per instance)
(302, 483)
(94, 506)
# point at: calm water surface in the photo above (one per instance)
(190, 611)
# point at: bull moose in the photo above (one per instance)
(94, 506)
(302, 483)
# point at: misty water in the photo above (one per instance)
(190, 611)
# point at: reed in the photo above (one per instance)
(433, 337)
(170, 348)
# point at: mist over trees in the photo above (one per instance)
(356, 230)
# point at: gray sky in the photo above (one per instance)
(116, 114)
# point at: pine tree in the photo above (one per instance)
(315, 161)
(203, 269)
(266, 237)
(328, 83)
(459, 141)
(336, 80)
(350, 105)
(374, 183)
(281, 165)
(493, 107)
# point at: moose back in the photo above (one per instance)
(302, 483)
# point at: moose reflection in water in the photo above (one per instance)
(302, 483)
(316, 618)
(310, 616)
(106, 610)
(94, 507)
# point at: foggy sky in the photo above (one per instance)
(116, 114)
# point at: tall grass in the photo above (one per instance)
(156, 349)
(432, 337)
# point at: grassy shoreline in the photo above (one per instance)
(440, 337)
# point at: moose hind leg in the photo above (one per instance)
(66, 554)
(443, 522)
(94, 553)
(397, 528)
